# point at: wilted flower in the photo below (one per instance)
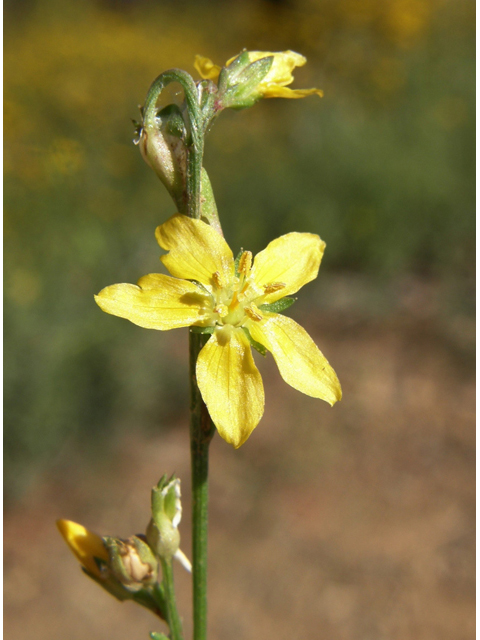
(132, 562)
(271, 82)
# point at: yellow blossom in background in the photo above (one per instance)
(84, 544)
(235, 302)
(274, 85)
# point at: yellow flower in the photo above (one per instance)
(274, 85)
(234, 303)
(84, 544)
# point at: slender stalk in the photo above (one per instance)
(200, 109)
(194, 179)
(201, 433)
(201, 426)
(173, 618)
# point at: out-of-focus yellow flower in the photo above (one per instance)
(235, 301)
(84, 544)
(274, 84)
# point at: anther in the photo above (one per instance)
(253, 312)
(217, 280)
(274, 286)
(245, 262)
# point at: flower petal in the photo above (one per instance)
(156, 302)
(277, 91)
(284, 62)
(206, 68)
(231, 385)
(84, 544)
(301, 363)
(196, 250)
(293, 259)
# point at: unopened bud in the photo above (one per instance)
(92, 553)
(87, 547)
(162, 145)
(162, 531)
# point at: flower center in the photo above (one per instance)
(236, 302)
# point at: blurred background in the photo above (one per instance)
(354, 523)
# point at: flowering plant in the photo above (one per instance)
(230, 305)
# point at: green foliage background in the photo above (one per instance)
(382, 168)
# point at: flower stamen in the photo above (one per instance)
(217, 280)
(274, 286)
(245, 262)
(253, 312)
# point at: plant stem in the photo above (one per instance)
(201, 433)
(194, 179)
(201, 426)
(173, 618)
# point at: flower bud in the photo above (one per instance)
(131, 562)
(91, 552)
(162, 531)
(161, 143)
(86, 546)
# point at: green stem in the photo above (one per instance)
(200, 109)
(201, 426)
(173, 618)
(190, 90)
(201, 433)
(194, 179)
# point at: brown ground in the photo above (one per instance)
(352, 523)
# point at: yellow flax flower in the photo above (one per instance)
(84, 544)
(274, 85)
(234, 301)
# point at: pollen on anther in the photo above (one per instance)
(217, 280)
(274, 286)
(245, 262)
(253, 312)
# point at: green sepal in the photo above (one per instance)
(153, 601)
(158, 636)
(110, 584)
(253, 75)
(238, 64)
(278, 306)
(228, 74)
(208, 330)
(202, 286)
(243, 92)
(145, 599)
(237, 262)
(256, 345)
